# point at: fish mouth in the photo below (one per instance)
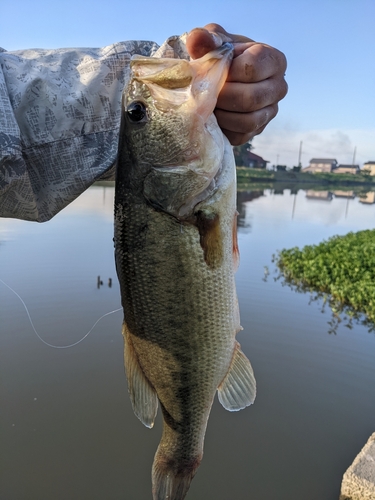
(173, 82)
(183, 165)
(211, 71)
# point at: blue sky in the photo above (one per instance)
(329, 44)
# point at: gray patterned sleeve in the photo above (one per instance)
(59, 122)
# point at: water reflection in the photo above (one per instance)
(368, 197)
(68, 430)
(242, 198)
(341, 204)
(341, 314)
(342, 201)
(319, 195)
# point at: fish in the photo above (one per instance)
(176, 253)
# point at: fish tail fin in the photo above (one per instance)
(171, 481)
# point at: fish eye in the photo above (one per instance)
(136, 112)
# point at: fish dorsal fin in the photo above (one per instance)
(142, 394)
(238, 389)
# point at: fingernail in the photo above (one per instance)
(217, 39)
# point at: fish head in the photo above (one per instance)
(173, 144)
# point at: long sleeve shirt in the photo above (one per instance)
(59, 122)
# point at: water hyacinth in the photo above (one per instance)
(342, 266)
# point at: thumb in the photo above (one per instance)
(199, 41)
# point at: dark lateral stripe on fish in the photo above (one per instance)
(236, 251)
(210, 238)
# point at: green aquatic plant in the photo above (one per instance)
(341, 270)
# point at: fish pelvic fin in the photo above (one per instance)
(171, 479)
(142, 394)
(238, 389)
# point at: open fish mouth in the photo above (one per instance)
(169, 108)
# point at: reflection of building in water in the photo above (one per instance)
(242, 198)
(367, 197)
(344, 194)
(319, 195)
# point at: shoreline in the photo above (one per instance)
(252, 175)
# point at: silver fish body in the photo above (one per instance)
(176, 254)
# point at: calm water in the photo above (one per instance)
(67, 428)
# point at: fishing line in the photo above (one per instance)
(40, 338)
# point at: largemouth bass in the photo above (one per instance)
(176, 254)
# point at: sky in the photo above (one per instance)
(329, 45)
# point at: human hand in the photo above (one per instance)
(255, 84)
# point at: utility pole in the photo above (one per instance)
(355, 150)
(300, 154)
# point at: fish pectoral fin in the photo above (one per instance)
(238, 389)
(211, 238)
(142, 394)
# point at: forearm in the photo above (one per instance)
(59, 123)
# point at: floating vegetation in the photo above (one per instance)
(340, 271)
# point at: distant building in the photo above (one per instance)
(369, 167)
(346, 169)
(249, 159)
(321, 165)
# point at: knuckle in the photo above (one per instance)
(274, 109)
(250, 99)
(269, 113)
(258, 96)
(283, 89)
(214, 27)
(283, 61)
(248, 71)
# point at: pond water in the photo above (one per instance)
(67, 427)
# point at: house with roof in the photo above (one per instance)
(248, 159)
(346, 169)
(321, 165)
(369, 167)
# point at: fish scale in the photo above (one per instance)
(172, 314)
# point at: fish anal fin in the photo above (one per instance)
(142, 394)
(238, 389)
(210, 238)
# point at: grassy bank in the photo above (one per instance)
(342, 268)
(253, 175)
